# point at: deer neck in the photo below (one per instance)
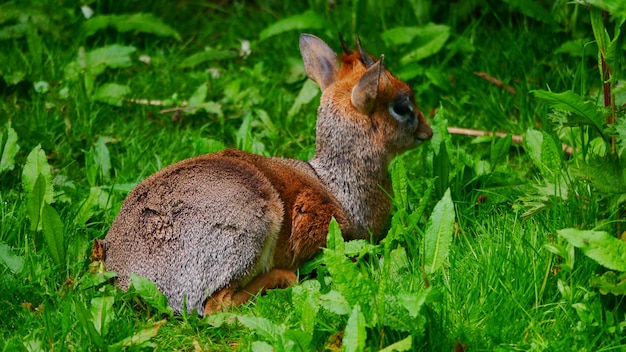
(354, 169)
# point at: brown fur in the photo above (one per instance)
(216, 229)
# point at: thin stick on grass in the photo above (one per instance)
(516, 138)
(496, 82)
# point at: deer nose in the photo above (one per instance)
(424, 131)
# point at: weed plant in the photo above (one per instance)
(480, 253)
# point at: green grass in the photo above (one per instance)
(499, 288)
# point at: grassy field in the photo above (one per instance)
(95, 99)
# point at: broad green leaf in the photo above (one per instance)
(605, 249)
(543, 152)
(550, 155)
(15, 263)
(97, 199)
(354, 335)
(208, 55)
(140, 340)
(427, 40)
(90, 280)
(35, 48)
(566, 252)
(96, 23)
(149, 292)
(335, 242)
(578, 48)
(8, 148)
(585, 111)
(138, 22)
(607, 177)
(35, 201)
(297, 340)
(599, 32)
(85, 319)
(397, 263)
(111, 93)
(198, 97)
(98, 162)
(308, 91)
(144, 22)
(102, 312)
(400, 184)
(614, 7)
(347, 279)
(438, 237)
(53, 233)
(500, 150)
(405, 344)
(197, 102)
(305, 20)
(400, 35)
(335, 302)
(441, 168)
(533, 9)
(262, 326)
(14, 77)
(532, 142)
(610, 282)
(112, 56)
(212, 107)
(414, 302)
(620, 130)
(36, 164)
(103, 158)
(425, 198)
(13, 31)
(306, 301)
(261, 346)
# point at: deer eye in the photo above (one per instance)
(401, 109)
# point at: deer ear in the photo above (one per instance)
(365, 91)
(320, 61)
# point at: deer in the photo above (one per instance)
(215, 230)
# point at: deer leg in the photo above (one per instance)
(275, 278)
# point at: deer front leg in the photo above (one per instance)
(229, 296)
